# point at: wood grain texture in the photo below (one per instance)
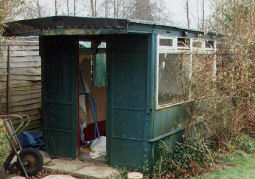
(24, 90)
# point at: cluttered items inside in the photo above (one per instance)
(92, 100)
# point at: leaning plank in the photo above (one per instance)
(25, 64)
(3, 71)
(21, 53)
(20, 43)
(25, 77)
(24, 108)
(25, 92)
(17, 84)
(25, 71)
(3, 99)
(17, 98)
(2, 109)
(21, 59)
(36, 86)
(25, 102)
(30, 112)
(3, 65)
(24, 48)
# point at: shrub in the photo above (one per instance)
(225, 102)
(245, 143)
(3, 144)
(187, 159)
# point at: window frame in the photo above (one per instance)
(175, 50)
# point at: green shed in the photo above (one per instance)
(139, 96)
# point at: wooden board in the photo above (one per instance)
(24, 89)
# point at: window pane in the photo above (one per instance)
(173, 78)
(209, 44)
(166, 42)
(197, 44)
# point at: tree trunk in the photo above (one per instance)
(74, 7)
(92, 7)
(95, 6)
(106, 8)
(39, 8)
(198, 19)
(56, 7)
(203, 1)
(187, 8)
(114, 8)
(67, 6)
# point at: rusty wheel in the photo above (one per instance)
(32, 161)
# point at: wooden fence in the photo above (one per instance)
(20, 79)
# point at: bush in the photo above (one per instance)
(187, 159)
(245, 143)
(227, 98)
(3, 144)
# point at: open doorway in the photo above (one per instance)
(92, 99)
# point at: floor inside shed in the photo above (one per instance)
(80, 168)
(84, 155)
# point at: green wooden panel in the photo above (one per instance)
(59, 98)
(167, 124)
(127, 117)
(170, 119)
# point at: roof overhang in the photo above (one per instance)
(72, 25)
(66, 25)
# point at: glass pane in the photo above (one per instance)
(173, 78)
(209, 44)
(166, 42)
(197, 44)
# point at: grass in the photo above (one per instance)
(236, 165)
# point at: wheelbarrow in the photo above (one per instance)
(29, 160)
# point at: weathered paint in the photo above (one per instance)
(68, 25)
(127, 118)
(59, 95)
(134, 126)
(166, 124)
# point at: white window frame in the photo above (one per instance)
(210, 49)
(175, 50)
(166, 48)
(183, 48)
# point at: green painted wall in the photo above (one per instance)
(167, 124)
(127, 117)
(59, 56)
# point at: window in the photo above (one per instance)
(183, 43)
(197, 44)
(172, 79)
(95, 64)
(209, 45)
(176, 63)
(166, 42)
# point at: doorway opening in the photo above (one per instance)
(92, 100)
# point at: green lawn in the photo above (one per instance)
(244, 167)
